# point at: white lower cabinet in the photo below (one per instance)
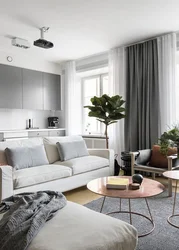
(56, 133)
(24, 134)
(37, 133)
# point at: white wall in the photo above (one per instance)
(16, 118)
(29, 62)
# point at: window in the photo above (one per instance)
(93, 86)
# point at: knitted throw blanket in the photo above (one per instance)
(27, 214)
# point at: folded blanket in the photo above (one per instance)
(27, 214)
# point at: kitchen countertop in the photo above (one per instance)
(26, 130)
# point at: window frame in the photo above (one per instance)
(99, 89)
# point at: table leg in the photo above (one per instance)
(102, 204)
(175, 197)
(148, 209)
(149, 218)
(130, 211)
(173, 212)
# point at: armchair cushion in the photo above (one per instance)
(158, 159)
(144, 156)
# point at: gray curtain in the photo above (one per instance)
(142, 96)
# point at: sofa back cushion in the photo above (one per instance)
(26, 157)
(158, 159)
(51, 147)
(73, 149)
(17, 143)
(3, 160)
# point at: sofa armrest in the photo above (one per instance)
(105, 153)
(6, 182)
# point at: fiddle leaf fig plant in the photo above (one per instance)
(169, 139)
(107, 110)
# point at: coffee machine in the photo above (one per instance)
(53, 122)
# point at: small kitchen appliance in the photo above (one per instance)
(53, 122)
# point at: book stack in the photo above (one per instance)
(117, 183)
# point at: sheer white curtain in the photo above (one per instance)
(167, 81)
(72, 100)
(117, 73)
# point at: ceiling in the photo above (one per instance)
(80, 28)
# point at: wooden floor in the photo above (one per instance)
(83, 195)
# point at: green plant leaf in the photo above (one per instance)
(106, 109)
(168, 139)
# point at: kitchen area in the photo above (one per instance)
(30, 103)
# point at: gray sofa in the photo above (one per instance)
(74, 226)
(78, 228)
(51, 173)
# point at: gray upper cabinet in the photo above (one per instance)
(32, 89)
(52, 91)
(10, 87)
(29, 89)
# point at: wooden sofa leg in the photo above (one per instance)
(153, 176)
(169, 187)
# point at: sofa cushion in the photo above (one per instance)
(3, 159)
(72, 149)
(39, 174)
(24, 157)
(85, 164)
(17, 143)
(76, 227)
(51, 147)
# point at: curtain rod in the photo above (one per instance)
(128, 45)
(146, 40)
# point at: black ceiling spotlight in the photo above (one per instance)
(42, 43)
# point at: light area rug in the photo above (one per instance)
(164, 236)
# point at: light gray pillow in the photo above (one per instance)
(24, 157)
(38, 156)
(70, 150)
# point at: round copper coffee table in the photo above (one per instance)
(174, 175)
(147, 189)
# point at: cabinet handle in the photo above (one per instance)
(37, 133)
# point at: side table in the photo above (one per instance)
(174, 175)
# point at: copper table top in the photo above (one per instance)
(148, 188)
(172, 174)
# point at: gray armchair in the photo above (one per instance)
(142, 160)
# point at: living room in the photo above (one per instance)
(54, 57)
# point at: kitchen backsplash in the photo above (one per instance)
(16, 118)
